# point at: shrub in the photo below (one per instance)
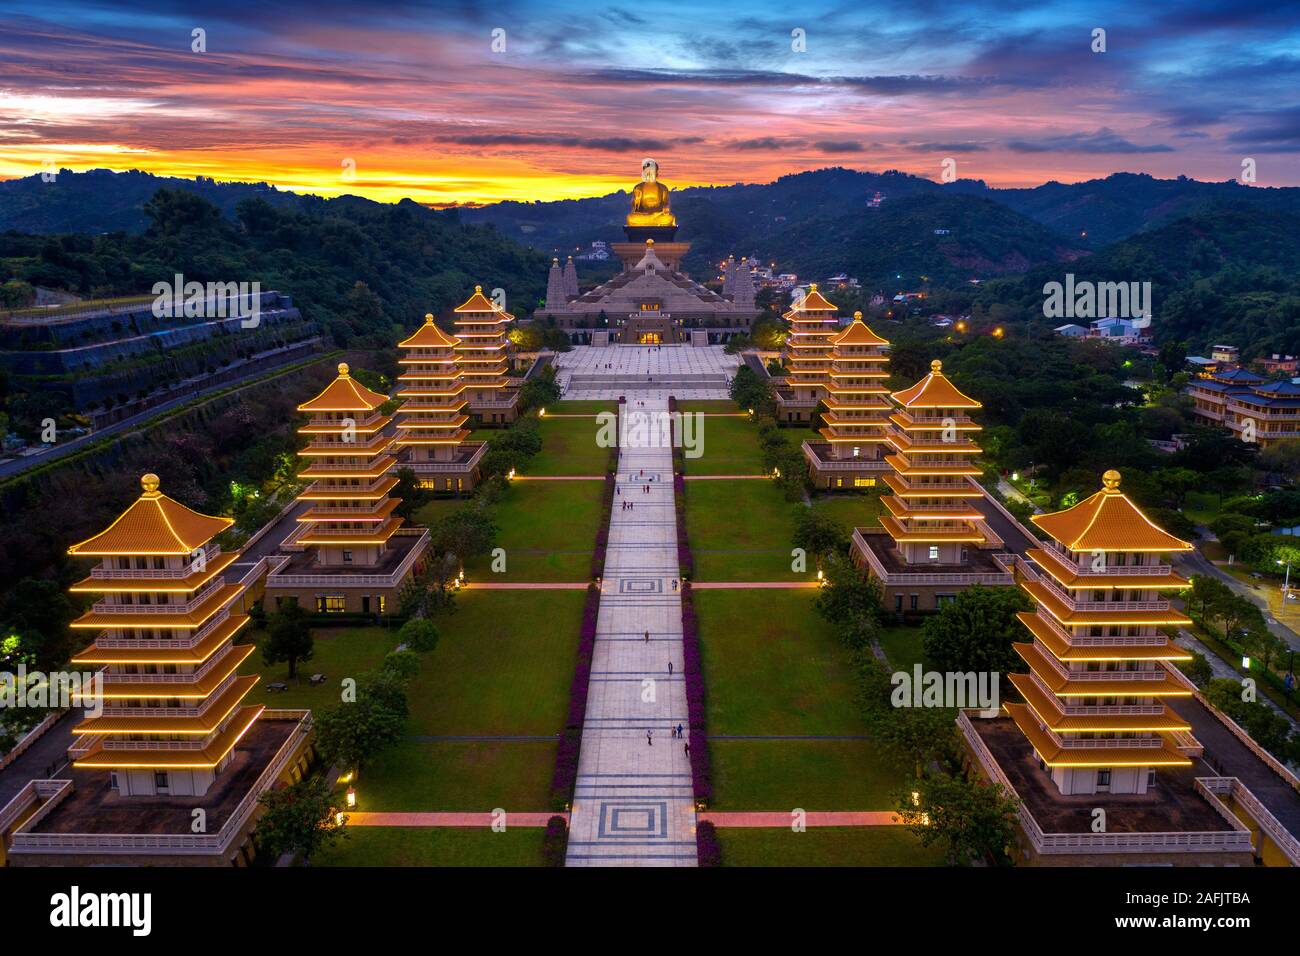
(707, 847)
(555, 841)
(419, 634)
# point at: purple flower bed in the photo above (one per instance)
(566, 757)
(555, 841)
(602, 532)
(701, 777)
(685, 560)
(707, 847)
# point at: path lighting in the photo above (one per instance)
(1245, 663)
(541, 413)
(511, 476)
(339, 818)
(352, 797)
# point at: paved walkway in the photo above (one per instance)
(634, 803)
(448, 819)
(816, 818)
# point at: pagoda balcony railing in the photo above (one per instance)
(1077, 640)
(1112, 710)
(210, 553)
(348, 466)
(190, 678)
(56, 791)
(216, 584)
(329, 513)
(482, 403)
(1237, 839)
(845, 464)
(1075, 604)
(923, 575)
(935, 420)
(107, 641)
(1086, 568)
(148, 745)
(358, 580)
(444, 467)
(193, 710)
(1240, 794)
(1131, 743)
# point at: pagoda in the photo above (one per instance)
(431, 420)
(935, 539)
(164, 628)
(855, 435)
(1100, 670)
(807, 356)
(481, 353)
(350, 552)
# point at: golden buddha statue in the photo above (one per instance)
(650, 199)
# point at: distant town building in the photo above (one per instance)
(1071, 330)
(1278, 364)
(599, 252)
(1225, 354)
(1251, 407)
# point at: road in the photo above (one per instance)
(17, 466)
(1195, 562)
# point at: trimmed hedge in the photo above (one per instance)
(707, 847)
(555, 841)
(692, 671)
(602, 532)
(565, 776)
(685, 560)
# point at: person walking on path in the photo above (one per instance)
(688, 749)
(647, 637)
(670, 668)
(649, 739)
(680, 732)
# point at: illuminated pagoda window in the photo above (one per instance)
(856, 397)
(931, 517)
(164, 627)
(350, 516)
(481, 354)
(1100, 670)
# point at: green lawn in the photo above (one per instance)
(338, 652)
(435, 846)
(717, 406)
(729, 447)
(1202, 507)
(852, 509)
(812, 774)
(503, 666)
(825, 846)
(581, 407)
(902, 645)
(741, 531)
(772, 665)
(547, 528)
(476, 775)
(569, 448)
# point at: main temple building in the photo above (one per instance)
(652, 301)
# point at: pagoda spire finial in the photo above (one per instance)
(428, 318)
(343, 369)
(857, 316)
(936, 367)
(1110, 480)
(149, 483)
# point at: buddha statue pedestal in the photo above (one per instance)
(639, 234)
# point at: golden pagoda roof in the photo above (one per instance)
(169, 652)
(429, 336)
(935, 391)
(1108, 521)
(1067, 574)
(210, 756)
(813, 301)
(478, 302)
(1055, 755)
(1163, 682)
(183, 585)
(1066, 652)
(198, 689)
(148, 615)
(857, 333)
(153, 525)
(344, 394)
(217, 710)
(1063, 613)
(1049, 711)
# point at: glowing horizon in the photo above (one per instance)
(424, 108)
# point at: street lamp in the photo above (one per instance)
(1286, 585)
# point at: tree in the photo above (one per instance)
(540, 390)
(818, 533)
(850, 601)
(1198, 669)
(466, 533)
(412, 497)
(352, 733)
(916, 737)
(975, 632)
(39, 611)
(300, 818)
(1264, 645)
(972, 820)
(288, 637)
(419, 634)
(1283, 457)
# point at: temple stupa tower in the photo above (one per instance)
(555, 295)
(807, 356)
(481, 354)
(1100, 670)
(570, 279)
(431, 420)
(855, 436)
(164, 637)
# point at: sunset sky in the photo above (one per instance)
(413, 97)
